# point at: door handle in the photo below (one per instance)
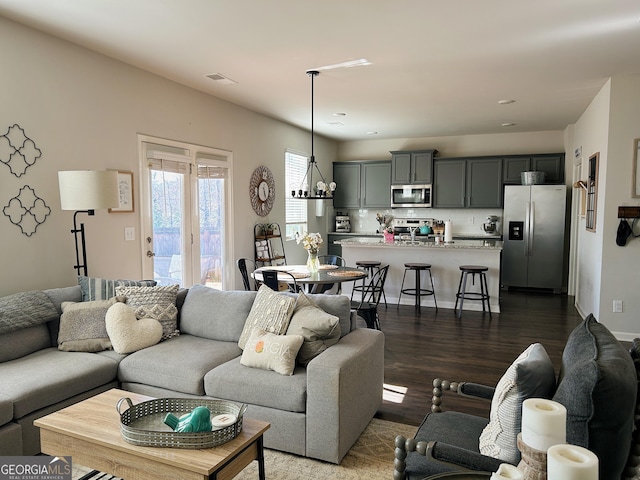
(150, 253)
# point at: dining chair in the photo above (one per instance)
(330, 288)
(270, 279)
(242, 266)
(367, 307)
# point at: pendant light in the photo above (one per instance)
(321, 190)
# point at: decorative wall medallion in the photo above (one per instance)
(27, 210)
(262, 190)
(18, 151)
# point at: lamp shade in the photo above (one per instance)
(88, 189)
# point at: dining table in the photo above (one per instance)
(327, 274)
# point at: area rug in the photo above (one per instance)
(370, 458)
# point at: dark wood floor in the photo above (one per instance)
(476, 348)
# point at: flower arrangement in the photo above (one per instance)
(388, 230)
(326, 189)
(310, 241)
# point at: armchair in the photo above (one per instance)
(598, 385)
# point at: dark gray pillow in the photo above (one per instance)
(598, 387)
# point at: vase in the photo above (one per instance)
(313, 264)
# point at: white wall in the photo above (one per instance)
(84, 111)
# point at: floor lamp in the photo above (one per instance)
(86, 191)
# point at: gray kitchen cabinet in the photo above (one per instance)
(449, 182)
(551, 164)
(365, 184)
(412, 167)
(376, 184)
(467, 183)
(484, 183)
(333, 249)
(347, 178)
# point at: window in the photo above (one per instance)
(295, 168)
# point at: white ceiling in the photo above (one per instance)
(438, 67)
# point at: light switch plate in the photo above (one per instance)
(617, 306)
(129, 233)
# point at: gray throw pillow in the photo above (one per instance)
(271, 311)
(319, 329)
(82, 326)
(598, 387)
(531, 375)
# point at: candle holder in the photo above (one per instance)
(534, 462)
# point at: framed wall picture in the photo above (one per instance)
(636, 168)
(125, 193)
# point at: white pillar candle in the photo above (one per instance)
(506, 471)
(544, 423)
(570, 462)
(448, 231)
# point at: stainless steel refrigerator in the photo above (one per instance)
(533, 235)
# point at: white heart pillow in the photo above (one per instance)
(127, 334)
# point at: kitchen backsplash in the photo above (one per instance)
(464, 221)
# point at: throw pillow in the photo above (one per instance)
(154, 302)
(598, 386)
(271, 311)
(271, 352)
(127, 333)
(82, 326)
(531, 375)
(103, 289)
(319, 329)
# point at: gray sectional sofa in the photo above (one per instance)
(317, 412)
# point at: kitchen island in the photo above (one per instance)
(445, 260)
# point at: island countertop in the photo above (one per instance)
(456, 244)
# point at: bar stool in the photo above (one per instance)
(463, 295)
(418, 291)
(370, 266)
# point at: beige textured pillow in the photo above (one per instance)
(154, 302)
(82, 326)
(271, 352)
(127, 333)
(271, 311)
(319, 329)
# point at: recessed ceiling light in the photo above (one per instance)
(339, 114)
(508, 124)
(219, 78)
(372, 132)
(505, 102)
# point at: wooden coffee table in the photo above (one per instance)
(89, 431)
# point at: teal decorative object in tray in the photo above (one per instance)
(143, 424)
(199, 420)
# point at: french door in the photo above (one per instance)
(186, 214)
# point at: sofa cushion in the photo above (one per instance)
(598, 387)
(214, 314)
(6, 410)
(127, 333)
(23, 342)
(53, 377)
(179, 363)
(82, 326)
(319, 328)
(271, 311)
(530, 375)
(104, 289)
(235, 382)
(25, 309)
(271, 352)
(154, 302)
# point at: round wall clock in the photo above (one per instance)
(262, 190)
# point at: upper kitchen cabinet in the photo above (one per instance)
(365, 184)
(467, 183)
(412, 167)
(551, 164)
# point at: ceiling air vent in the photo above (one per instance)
(219, 78)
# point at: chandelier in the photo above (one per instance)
(321, 190)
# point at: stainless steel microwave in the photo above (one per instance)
(410, 196)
